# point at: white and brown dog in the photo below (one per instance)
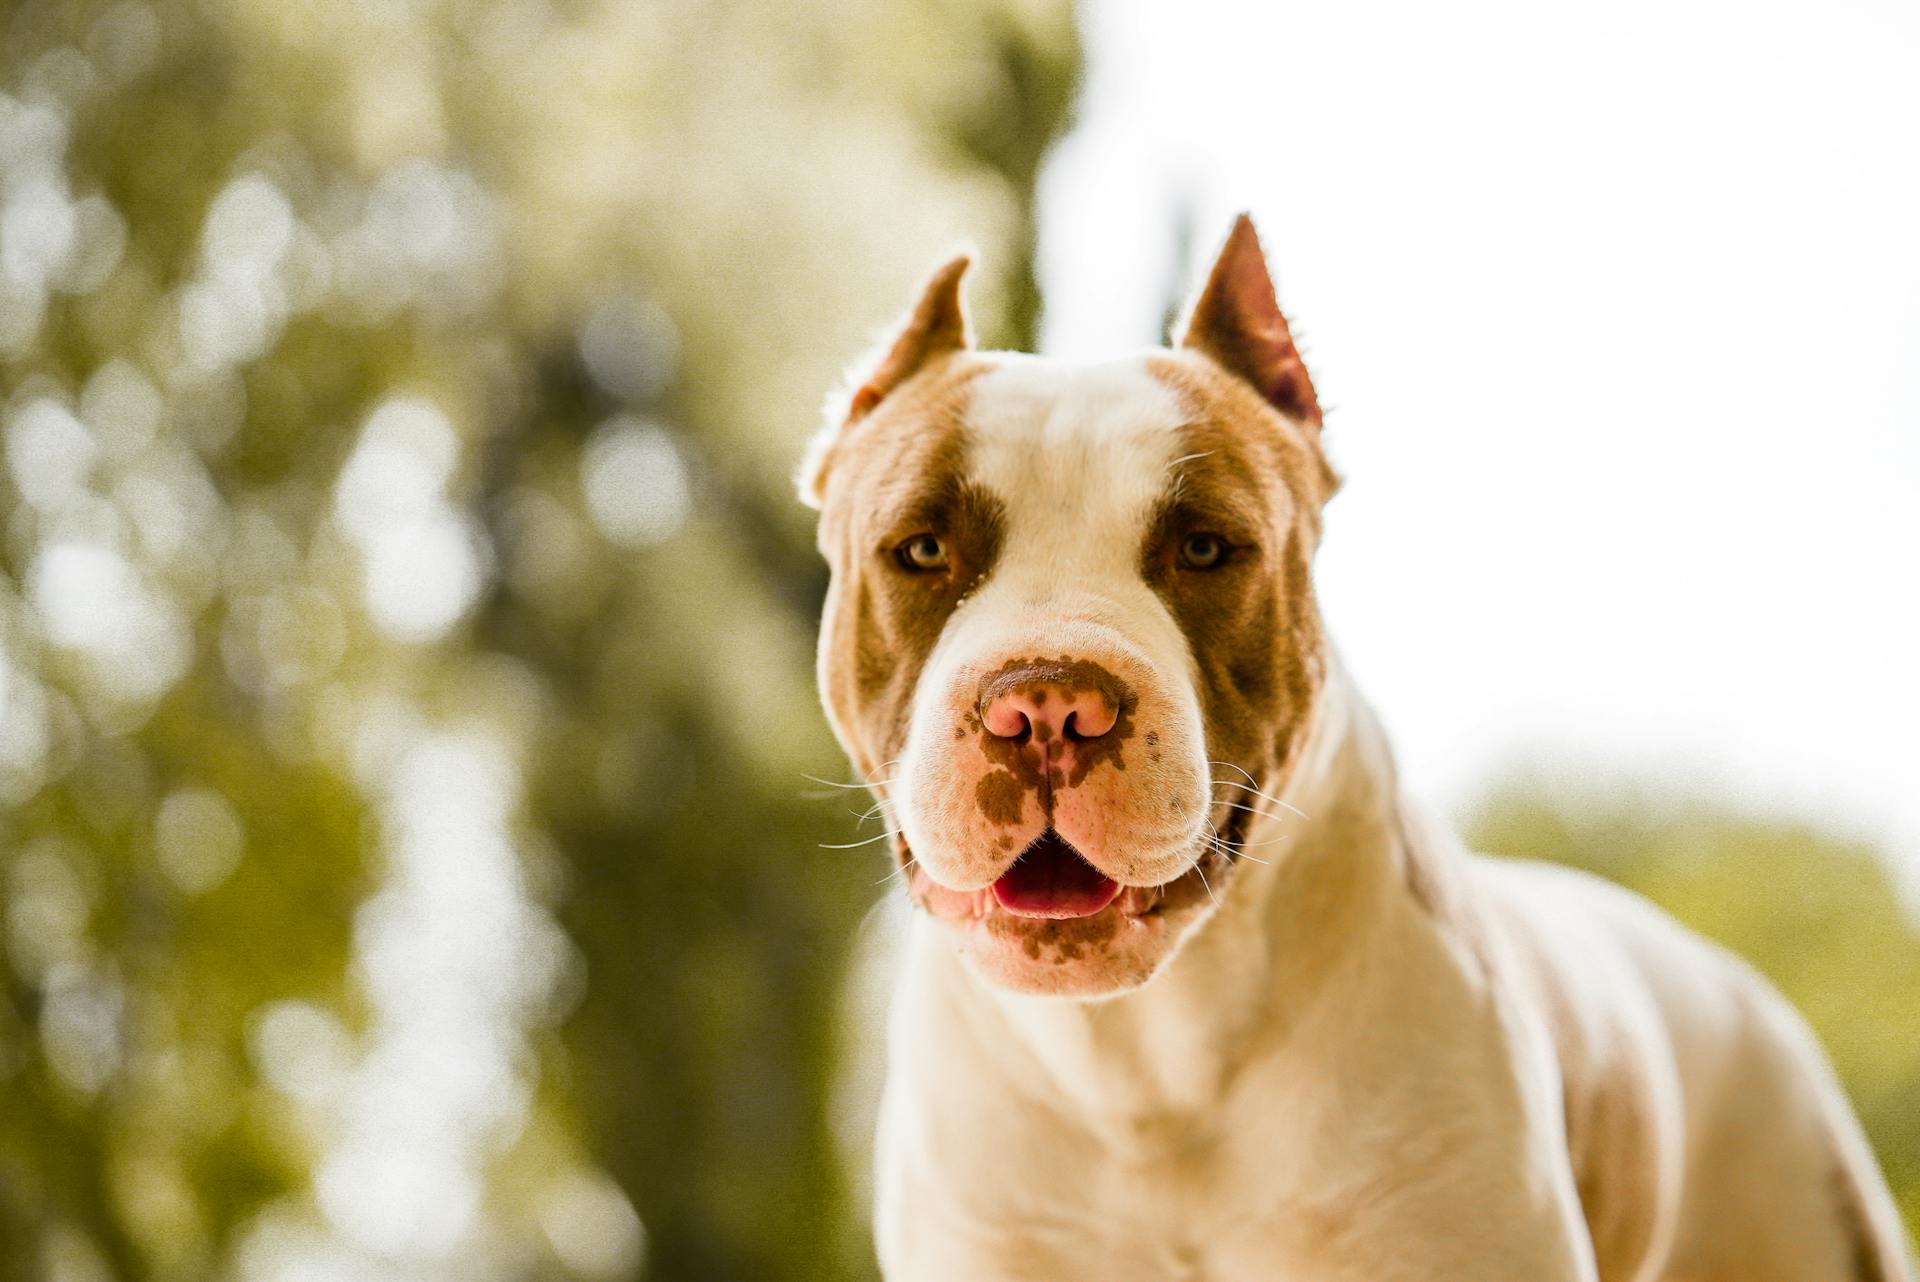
(1193, 991)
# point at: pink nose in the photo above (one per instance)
(1047, 711)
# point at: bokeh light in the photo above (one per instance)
(375, 426)
(406, 628)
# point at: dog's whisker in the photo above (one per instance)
(1264, 796)
(1240, 770)
(1238, 849)
(831, 783)
(1232, 851)
(1238, 852)
(1248, 788)
(1252, 785)
(851, 845)
(1255, 810)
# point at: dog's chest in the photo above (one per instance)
(1148, 1197)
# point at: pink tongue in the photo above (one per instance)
(1050, 879)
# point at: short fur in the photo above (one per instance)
(1313, 1038)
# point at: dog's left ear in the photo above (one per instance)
(1236, 320)
(937, 326)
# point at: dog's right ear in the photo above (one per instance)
(937, 326)
(1236, 320)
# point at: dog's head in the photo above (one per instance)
(1070, 637)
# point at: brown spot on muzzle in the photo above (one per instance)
(1057, 941)
(1064, 673)
(1074, 676)
(1022, 771)
(999, 795)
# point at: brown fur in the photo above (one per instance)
(1258, 481)
(1068, 674)
(999, 797)
(937, 325)
(896, 473)
(1236, 320)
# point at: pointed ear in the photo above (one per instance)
(935, 327)
(1236, 320)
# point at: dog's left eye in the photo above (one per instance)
(1203, 551)
(922, 552)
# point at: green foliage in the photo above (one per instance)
(1819, 915)
(405, 867)
(406, 628)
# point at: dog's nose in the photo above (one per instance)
(1047, 711)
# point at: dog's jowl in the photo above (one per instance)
(1191, 990)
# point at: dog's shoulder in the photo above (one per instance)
(1588, 957)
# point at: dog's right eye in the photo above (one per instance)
(1203, 551)
(922, 553)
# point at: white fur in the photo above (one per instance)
(1333, 1081)
(1354, 1070)
(1348, 1071)
(1181, 1131)
(1078, 455)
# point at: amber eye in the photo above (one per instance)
(1203, 551)
(922, 552)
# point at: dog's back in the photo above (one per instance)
(1708, 1136)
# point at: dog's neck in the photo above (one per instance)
(1172, 1048)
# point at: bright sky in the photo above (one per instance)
(1617, 311)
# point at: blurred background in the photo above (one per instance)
(409, 860)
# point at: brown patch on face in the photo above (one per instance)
(1258, 482)
(1059, 940)
(999, 795)
(1021, 771)
(897, 473)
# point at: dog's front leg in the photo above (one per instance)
(1456, 1239)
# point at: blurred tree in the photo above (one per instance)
(406, 627)
(1819, 915)
(399, 554)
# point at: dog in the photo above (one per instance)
(1192, 991)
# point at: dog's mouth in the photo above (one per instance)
(1052, 882)
(1051, 879)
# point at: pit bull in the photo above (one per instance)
(1192, 991)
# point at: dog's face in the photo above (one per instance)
(1071, 635)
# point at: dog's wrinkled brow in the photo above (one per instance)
(1216, 491)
